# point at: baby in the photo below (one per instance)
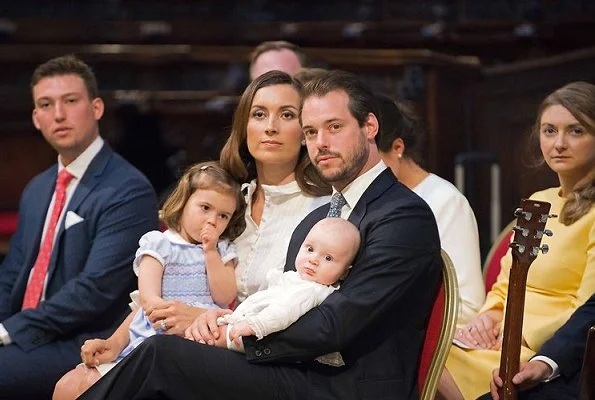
(323, 259)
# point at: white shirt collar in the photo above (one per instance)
(175, 237)
(354, 191)
(80, 164)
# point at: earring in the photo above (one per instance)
(303, 142)
(400, 155)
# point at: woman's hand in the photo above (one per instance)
(99, 351)
(205, 329)
(173, 317)
(482, 332)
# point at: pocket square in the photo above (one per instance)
(72, 218)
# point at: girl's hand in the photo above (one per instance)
(99, 351)
(238, 330)
(209, 237)
(177, 316)
(482, 332)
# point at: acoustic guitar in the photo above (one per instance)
(531, 216)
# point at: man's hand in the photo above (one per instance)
(530, 374)
(205, 329)
(99, 351)
(177, 315)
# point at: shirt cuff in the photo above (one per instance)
(4, 336)
(553, 365)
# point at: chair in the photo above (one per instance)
(8, 226)
(491, 266)
(441, 330)
(587, 383)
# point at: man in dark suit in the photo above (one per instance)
(376, 320)
(68, 271)
(554, 373)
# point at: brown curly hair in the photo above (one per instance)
(207, 175)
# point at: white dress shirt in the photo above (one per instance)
(263, 247)
(77, 169)
(354, 191)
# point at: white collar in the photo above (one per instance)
(286, 189)
(354, 191)
(78, 167)
(175, 237)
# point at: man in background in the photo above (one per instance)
(276, 55)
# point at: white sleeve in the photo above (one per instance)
(154, 244)
(287, 309)
(459, 237)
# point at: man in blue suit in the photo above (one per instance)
(555, 372)
(68, 271)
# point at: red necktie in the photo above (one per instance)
(40, 269)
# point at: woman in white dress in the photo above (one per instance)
(400, 142)
(265, 149)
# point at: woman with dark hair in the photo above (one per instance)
(401, 142)
(265, 149)
(559, 281)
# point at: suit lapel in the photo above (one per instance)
(378, 186)
(88, 182)
(38, 213)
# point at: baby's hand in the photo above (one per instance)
(209, 237)
(240, 329)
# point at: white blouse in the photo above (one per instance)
(459, 238)
(264, 247)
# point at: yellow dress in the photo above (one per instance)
(558, 282)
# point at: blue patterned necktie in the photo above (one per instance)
(337, 203)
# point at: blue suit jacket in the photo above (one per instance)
(567, 346)
(378, 317)
(90, 272)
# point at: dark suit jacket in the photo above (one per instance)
(378, 318)
(90, 272)
(567, 346)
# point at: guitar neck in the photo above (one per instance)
(513, 330)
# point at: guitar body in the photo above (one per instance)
(529, 230)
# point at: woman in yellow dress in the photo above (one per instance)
(559, 281)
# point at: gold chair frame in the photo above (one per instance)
(447, 331)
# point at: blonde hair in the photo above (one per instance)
(207, 175)
(579, 99)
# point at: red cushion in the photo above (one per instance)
(493, 267)
(431, 339)
(8, 222)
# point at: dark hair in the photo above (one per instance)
(305, 75)
(398, 120)
(67, 65)
(362, 101)
(206, 175)
(235, 156)
(579, 99)
(277, 45)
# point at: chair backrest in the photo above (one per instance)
(491, 266)
(587, 383)
(440, 332)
